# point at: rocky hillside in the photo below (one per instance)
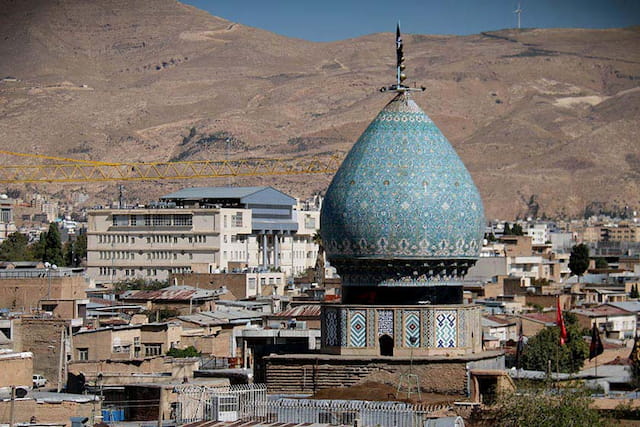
(546, 120)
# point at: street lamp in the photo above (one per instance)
(48, 267)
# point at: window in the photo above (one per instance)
(236, 219)
(182, 220)
(133, 220)
(122, 348)
(309, 222)
(120, 220)
(152, 349)
(83, 354)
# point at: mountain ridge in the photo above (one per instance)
(549, 115)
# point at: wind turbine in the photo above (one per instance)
(518, 12)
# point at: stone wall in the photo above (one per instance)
(42, 338)
(286, 374)
(16, 369)
(26, 293)
(58, 412)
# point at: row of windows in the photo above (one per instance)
(234, 255)
(150, 349)
(164, 255)
(152, 220)
(117, 255)
(116, 238)
(156, 238)
(129, 272)
(234, 238)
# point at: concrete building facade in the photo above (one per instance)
(203, 230)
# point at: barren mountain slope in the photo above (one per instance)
(545, 120)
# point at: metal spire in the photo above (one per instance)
(400, 87)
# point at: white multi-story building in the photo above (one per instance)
(539, 233)
(207, 229)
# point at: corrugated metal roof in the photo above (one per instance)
(633, 306)
(221, 317)
(172, 293)
(195, 193)
(306, 310)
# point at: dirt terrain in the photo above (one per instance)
(546, 120)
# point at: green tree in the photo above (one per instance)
(516, 230)
(601, 263)
(545, 346)
(507, 229)
(190, 351)
(80, 247)
(37, 248)
(634, 291)
(15, 248)
(53, 246)
(579, 259)
(546, 408)
(75, 251)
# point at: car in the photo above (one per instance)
(39, 381)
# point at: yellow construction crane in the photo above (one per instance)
(74, 170)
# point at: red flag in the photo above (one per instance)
(560, 322)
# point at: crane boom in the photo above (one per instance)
(92, 171)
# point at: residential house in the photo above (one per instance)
(614, 322)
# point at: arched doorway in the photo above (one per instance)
(386, 345)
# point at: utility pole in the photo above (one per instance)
(12, 407)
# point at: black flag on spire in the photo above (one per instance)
(399, 55)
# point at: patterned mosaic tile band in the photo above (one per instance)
(412, 329)
(402, 191)
(385, 322)
(446, 329)
(358, 329)
(331, 327)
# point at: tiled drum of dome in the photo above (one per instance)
(358, 329)
(412, 328)
(446, 329)
(385, 322)
(331, 328)
(402, 192)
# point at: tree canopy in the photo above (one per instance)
(545, 346)
(546, 408)
(15, 248)
(579, 259)
(53, 246)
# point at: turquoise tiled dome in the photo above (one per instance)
(402, 193)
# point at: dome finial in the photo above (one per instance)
(400, 75)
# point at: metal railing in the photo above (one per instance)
(250, 403)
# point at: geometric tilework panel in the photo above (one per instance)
(446, 329)
(331, 328)
(412, 329)
(371, 328)
(343, 328)
(358, 329)
(462, 331)
(428, 327)
(385, 322)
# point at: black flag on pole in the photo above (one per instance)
(519, 347)
(596, 348)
